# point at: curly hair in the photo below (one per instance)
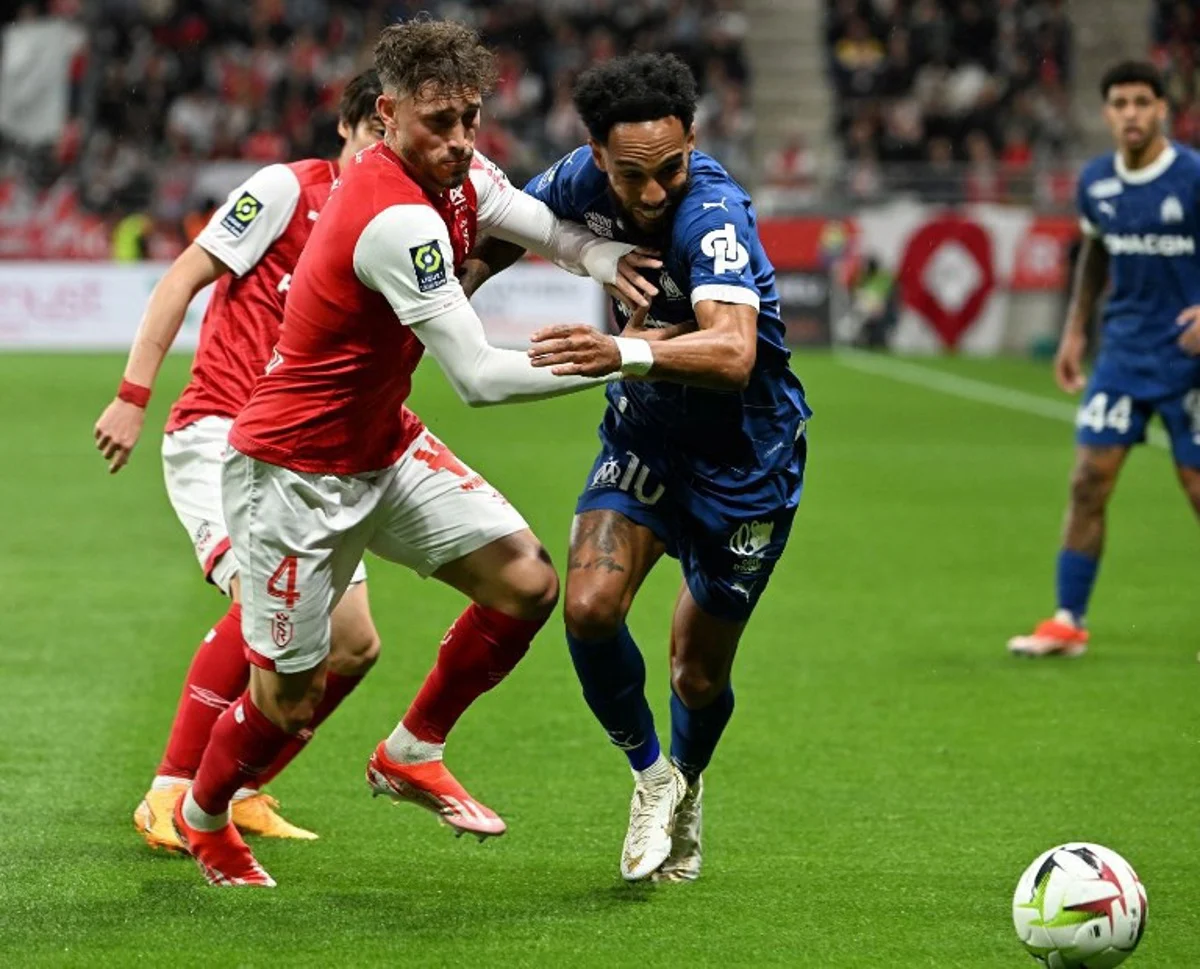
(358, 98)
(1132, 72)
(639, 87)
(441, 53)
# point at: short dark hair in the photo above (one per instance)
(639, 87)
(443, 53)
(358, 98)
(1132, 72)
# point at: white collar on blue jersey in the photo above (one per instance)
(1141, 176)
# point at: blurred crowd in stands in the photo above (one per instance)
(1175, 34)
(955, 101)
(156, 93)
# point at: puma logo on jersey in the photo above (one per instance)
(715, 205)
(1149, 245)
(1108, 209)
(312, 215)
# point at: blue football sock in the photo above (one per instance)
(694, 733)
(1076, 576)
(613, 675)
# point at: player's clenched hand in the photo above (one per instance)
(118, 431)
(1068, 362)
(1189, 339)
(631, 287)
(575, 350)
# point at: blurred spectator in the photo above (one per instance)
(939, 183)
(155, 91)
(873, 306)
(858, 58)
(983, 182)
(793, 166)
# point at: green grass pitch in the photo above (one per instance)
(888, 774)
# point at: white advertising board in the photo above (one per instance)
(79, 306)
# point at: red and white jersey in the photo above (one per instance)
(258, 233)
(383, 255)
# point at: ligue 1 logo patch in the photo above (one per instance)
(245, 210)
(429, 265)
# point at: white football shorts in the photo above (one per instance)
(299, 537)
(193, 460)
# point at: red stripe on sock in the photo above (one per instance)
(217, 676)
(479, 650)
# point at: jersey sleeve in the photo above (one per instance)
(405, 254)
(493, 190)
(717, 239)
(555, 185)
(1088, 223)
(253, 216)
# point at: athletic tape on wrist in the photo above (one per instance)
(637, 356)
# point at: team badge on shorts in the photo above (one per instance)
(282, 629)
(748, 542)
(429, 265)
(245, 210)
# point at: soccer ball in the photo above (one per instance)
(1080, 906)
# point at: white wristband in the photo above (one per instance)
(637, 356)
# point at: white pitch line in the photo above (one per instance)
(968, 388)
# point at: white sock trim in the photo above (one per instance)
(164, 782)
(656, 773)
(196, 817)
(404, 748)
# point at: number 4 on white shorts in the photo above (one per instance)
(1096, 415)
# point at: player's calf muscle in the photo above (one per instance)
(1092, 483)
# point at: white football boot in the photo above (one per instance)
(657, 792)
(683, 864)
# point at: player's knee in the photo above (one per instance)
(695, 686)
(290, 701)
(294, 713)
(356, 654)
(532, 587)
(593, 613)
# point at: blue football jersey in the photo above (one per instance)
(1149, 222)
(713, 252)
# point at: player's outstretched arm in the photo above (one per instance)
(720, 354)
(404, 254)
(1091, 276)
(120, 426)
(526, 222)
(482, 374)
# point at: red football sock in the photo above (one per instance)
(337, 688)
(480, 649)
(217, 676)
(242, 746)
